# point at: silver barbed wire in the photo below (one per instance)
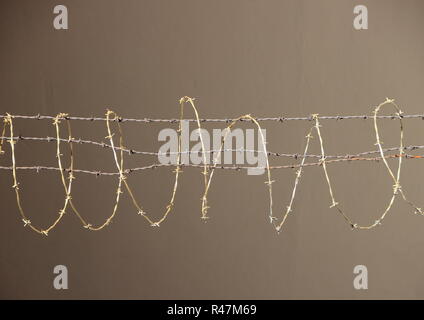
(151, 153)
(225, 120)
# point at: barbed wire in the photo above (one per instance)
(208, 169)
(225, 120)
(397, 188)
(222, 167)
(168, 153)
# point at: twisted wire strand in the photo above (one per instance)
(168, 153)
(208, 170)
(280, 119)
(228, 167)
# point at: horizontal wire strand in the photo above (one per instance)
(236, 168)
(151, 153)
(226, 120)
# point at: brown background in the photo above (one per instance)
(268, 58)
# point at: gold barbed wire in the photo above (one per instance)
(397, 188)
(208, 170)
(177, 171)
(227, 130)
(121, 178)
(27, 222)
